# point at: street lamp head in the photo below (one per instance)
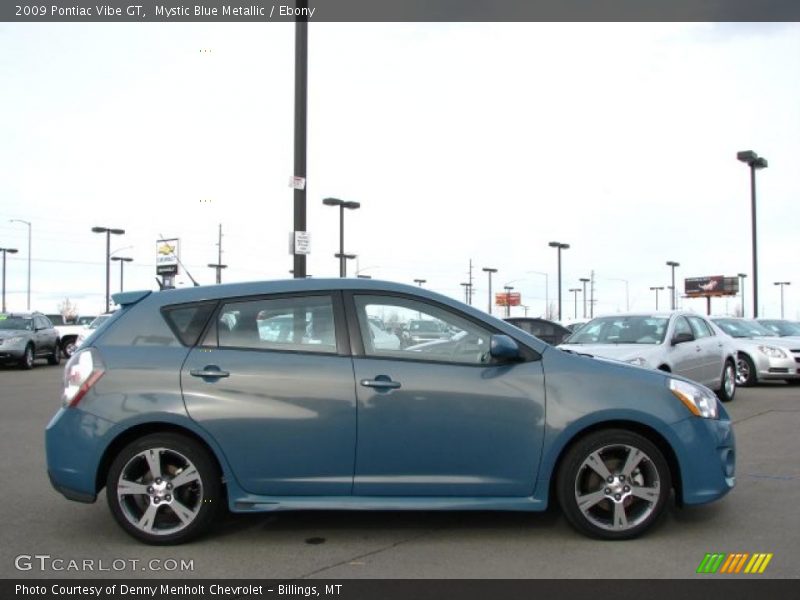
(584, 279)
(332, 202)
(99, 229)
(746, 156)
(558, 245)
(122, 258)
(351, 205)
(760, 163)
(742, 275)
(347, 256)
(672, 263)
(108, 229)
(783, 283)
(657, 287)
(489, 270)
(9, 250)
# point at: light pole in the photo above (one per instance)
(419, 282)
(576, 290)
(741, 288)
(300, 135)
(560, 247)
(122, 260)
(584, 281)
(342, 205)
(782, 284)
(5, 251)
(673, 298)
(490, 270)
(30, 227)
(343, 258)
(754, 161)
(466, 287)
(508, 289)
(108, 231)
(657, 289)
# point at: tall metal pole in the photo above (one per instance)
(782, 284)
(342, 268)
(489, 271)
(755, 245)
(5, 251)
(30, 228)
(583, 280)
(741, 288)
(108, 269)
(300, 122)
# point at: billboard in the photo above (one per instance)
(713, 285)
(510, 299)
(167, 257)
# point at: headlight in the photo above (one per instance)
(638, 361)
(773, 352)
(699, 400)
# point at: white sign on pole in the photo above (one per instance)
(297, 183)
(300, 242)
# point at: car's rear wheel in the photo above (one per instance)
(27, 358)
(55, 357)
(746, 371)
(727, 388)
(164, 488)
(613, 484)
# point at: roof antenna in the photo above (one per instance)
(179, 262)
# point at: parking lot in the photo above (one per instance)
(760, 515)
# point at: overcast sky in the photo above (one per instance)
(460, 141)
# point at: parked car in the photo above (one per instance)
(69, 330)
(89, 329)
(24, 337)
(423, 330)
(677, 342)
(761, 354)
(548, 331)
(782, 327)
(500, 421)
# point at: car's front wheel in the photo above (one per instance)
(164, 488)
(746, 371)
(69, 346)
(613, 484)
(727, 387)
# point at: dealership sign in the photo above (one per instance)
(167, 257)
(713, 285)
(510, 299)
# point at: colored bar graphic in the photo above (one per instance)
(721, 562)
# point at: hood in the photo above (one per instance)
(9, 333)
(621, 352)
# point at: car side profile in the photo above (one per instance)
(174, 412)
(677, 342)
(24, 337)
(548, 331)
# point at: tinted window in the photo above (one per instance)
(296, 323)
(420, 331)
(700, 327)
(7, 322)
(621, 330)
(188, 321)
(682, 326)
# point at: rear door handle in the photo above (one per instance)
(380, 383)
(209, 371)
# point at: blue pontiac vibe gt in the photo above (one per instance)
(315, 394)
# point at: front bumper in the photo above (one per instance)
(769, 368)
(707, 456)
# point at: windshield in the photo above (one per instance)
(782, 327)
(18, 323)
(743, 328)
(621, 330)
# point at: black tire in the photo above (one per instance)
(55, 357)
(641, 494)
(26, 362)
(746, 372)
(153, 508)
(68, 346)
(727, 387)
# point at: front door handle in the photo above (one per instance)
(380, 383)
(209, 371)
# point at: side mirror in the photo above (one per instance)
(680, 338)
(503, 347)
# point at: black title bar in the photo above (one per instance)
(398, 10)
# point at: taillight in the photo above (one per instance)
(81, 373)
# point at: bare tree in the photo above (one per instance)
(68, 310)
